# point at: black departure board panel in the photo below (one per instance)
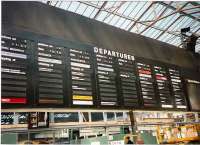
(128, 82)
(13, 70)
(106, 79)
(163, 87)
(178, 91)
(48, 73)
(81, 73)
(50, 67)
(147, 85)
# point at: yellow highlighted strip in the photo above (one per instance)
(77, 97)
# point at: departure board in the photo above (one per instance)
(81, 73)
(106, 79)
(50, 67)
(128, 82)
(178, 91)
(163, 87)
(37, 73)
(13, 70)
(147, 85)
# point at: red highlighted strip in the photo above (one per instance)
(144, 72)
(161, 78)
(14, 100)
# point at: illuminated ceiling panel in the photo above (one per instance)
(158, 20)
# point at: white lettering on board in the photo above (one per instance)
(113, 53)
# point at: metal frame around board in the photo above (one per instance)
(32, 75)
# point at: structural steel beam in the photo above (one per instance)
(60, 3)
(120, 15)
(160, 18)
(128, 18)
(103, 5)
(141, 16)
(181, 12)
(117, 14)
(157, 19)
(113, 12)
(56, 3)
(197, 30)
(171, 23)
(197, 12)
(194, 3)
(118, 7)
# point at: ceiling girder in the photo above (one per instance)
(166, 29)
(184, 13)
(157, 19)
(103, 5)
(141, 16)
(181, 12)
(118, 14)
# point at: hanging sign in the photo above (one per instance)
(38, 120)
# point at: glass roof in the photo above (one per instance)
(158, 20)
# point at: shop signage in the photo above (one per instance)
(38, 120)
(66, 117)
(113, 53)
(118, 142)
